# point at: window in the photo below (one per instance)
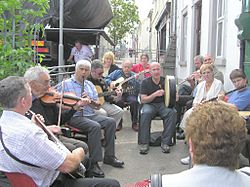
(183, 55)
(220, 27)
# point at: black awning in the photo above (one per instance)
(88, 36)
(91, 14)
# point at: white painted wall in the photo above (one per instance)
(232, 50)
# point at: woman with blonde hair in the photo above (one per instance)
(109, 65)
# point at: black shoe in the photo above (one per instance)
(144, 149)
(113, 161)
(165, 148)
(135, 127)
(181, 136)
(95, 171)
(119, 127)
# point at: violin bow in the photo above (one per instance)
(82, 90)
(60, 106)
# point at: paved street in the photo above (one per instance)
(137, 166)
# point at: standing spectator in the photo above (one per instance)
(80, 52)
(216, 135)
(152, 97)
(109, 65)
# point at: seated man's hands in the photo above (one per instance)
(159, 93)
(54, 129)
(81, 103)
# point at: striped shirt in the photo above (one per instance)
(72, 85)
(29, 143)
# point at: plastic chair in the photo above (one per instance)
(20, 180)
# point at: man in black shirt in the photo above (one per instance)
(152, 97)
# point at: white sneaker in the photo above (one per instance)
(185, 161)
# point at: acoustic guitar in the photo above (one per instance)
(119, 82)
(102, 94)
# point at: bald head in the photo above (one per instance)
(126, 66)
(154, 64)
(208, 59)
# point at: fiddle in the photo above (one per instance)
(53, 97)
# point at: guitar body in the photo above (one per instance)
(99, 91)
(102, 94)
(117, 83)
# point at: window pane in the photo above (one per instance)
(219, 38)
(220, 9)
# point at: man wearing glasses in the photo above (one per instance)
(107, 107)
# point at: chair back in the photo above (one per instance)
(20, 180)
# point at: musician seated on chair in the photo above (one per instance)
(107, 107)
(25, 147)
(39, 81)
(239, 98)
(216, 135)
(185, 90)
(152, 97)
(208, 89)
(126, 79)
(87, 120)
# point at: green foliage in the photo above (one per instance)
(20, 21)
(125, 20)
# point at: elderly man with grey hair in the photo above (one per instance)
(88, 121)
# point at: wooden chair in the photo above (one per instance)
(20, 180)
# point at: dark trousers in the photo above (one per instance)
(179, 105)
(130, 100)
(93, 125)
(148, 112)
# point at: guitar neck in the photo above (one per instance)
(103, 94)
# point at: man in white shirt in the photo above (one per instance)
(80, 52)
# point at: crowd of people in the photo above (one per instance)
(101, 90)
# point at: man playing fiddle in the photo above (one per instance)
(39, 81)
(88, 121)
(42, 160)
